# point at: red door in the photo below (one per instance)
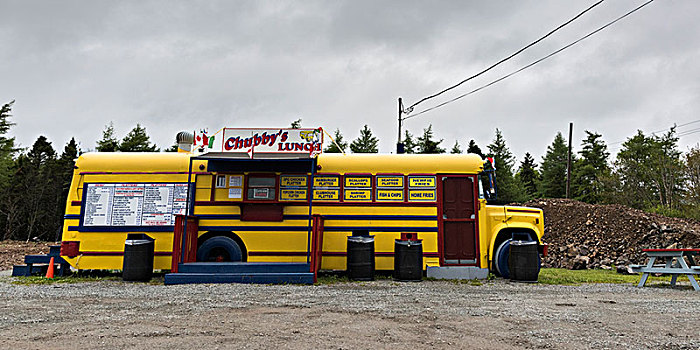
(457, 219)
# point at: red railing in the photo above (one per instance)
(316, 244)
(190, 246)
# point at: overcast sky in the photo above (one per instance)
(73, 67)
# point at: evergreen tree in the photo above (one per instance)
(409, 144)
(426, 144)
(137, 140)
(172, 148)
(109, 142)
(40, 190)
(64, 173)
(7, 144)
(473, 148)
(591, 169)
(366, 143)
(528, 175)
(553, 169)
(456, 149)
(296, 124)
(692, 176)
(339, 142)
(508, 188)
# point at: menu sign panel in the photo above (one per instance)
(134, 204)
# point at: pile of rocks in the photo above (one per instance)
(584, 235)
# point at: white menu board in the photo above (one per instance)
(134, 204)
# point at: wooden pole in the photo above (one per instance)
(568, 166)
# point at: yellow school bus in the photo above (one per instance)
(259, 209)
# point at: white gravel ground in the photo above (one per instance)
(369, 315)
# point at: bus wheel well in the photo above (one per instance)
(233, 236)
(506, 234)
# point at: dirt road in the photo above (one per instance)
(381, 314)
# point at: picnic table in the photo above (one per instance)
(675, 265)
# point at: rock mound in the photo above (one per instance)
(582, 235)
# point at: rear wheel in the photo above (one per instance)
(219, 249)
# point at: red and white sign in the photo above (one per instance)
(256, 141)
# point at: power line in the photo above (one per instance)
(533, 63)
(410, 108)
(666, 129)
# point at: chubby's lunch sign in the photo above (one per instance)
(251, 141)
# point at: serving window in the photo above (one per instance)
(261, 187)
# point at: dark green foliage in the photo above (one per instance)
(339, 146)
(456, 149)
(172, 148)
(296, 124)
(528, 176)
(650, 171)
(509, 189)
(553, 169)
(426, 144)
(366, 143)
(109, 142)
(137, 140)
(473, 148)
(409, 144)
(590, 171)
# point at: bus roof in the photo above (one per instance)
(329, 162)
(133, 161)
(400, 163)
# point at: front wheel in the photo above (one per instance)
(500, 258)
(219, 249)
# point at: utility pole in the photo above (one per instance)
(568, 166)
(399, 144)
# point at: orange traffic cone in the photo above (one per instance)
(49, 272)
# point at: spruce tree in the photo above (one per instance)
(456, 149)
(109, 142)
(366, 143)
(553, 169)
(590, 169)
(137, 140)
(296, 124)
(508, 187)
(339, 145)
(426, 144)
(528, 175)
(474, 149)
(7, 144)
(409, 144)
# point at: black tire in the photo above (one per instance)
(219, 249)
(500, 259)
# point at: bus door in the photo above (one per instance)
(457, 219)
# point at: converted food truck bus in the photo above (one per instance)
(255, 205)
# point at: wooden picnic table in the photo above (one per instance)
(675, 265)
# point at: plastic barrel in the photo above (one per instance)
(360, 261)
(524, 261)
(408, 260)
(138, 258)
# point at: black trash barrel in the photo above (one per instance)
(138, 257)
(524, 261)
(408, 260)
(360, 261)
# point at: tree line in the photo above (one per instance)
(649, 172)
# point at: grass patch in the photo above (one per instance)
(575, 277)
(37, 280)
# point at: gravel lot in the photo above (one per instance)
(379, 314)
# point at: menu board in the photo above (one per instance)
(134, 204)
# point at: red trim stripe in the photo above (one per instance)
(120, 253)
(379, 254)
(76, 203)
